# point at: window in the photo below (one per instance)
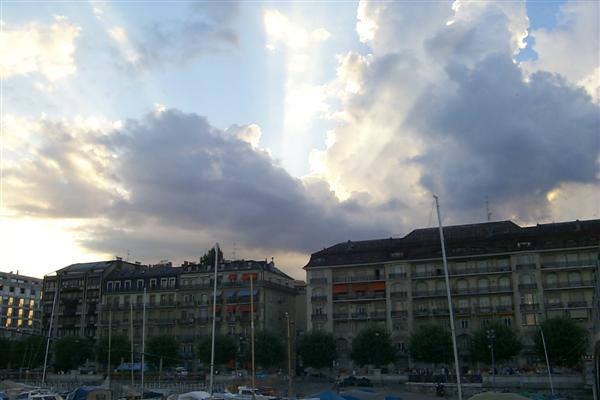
(127, 285)
(507, 322)
(483, 284)
(172, 282)
(109, 286)
(525, 259)
(504, 282)
(152, 283)
(462, 285)
(163, 282)
(529, 319)
(140, 283)
(551, 280)
(33, 292)
(574, 278)
(22, 290)
(464, 323)
(526, 279)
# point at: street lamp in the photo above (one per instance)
(491, 336)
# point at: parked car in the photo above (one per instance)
(349, 381)
(365, 382)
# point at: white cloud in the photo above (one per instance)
(280, 30)
(35, 48)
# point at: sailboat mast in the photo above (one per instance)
(50, 332)
(109, 344)
(143, 338)
(214, 322)
(131, 336)
(252, 327)
(448, 294)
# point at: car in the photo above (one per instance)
(349, 381)
(365, 382)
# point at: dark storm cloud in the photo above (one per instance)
(182, 172)
(488, 132)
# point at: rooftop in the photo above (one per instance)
(461, 241)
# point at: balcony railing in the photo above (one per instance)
(529, 307)
(570, 285)
(579, 304)
(357, 278)
(399, 295)
(468, 271)
(397, 275)
(318, 299)
(318, 317)
(527, 286)
(399, 313)
(377, 315)
(526, 267)
(317, 281)
(356, 296)
(465, 291)
(504, 308)
(360, 316)
(569, 264)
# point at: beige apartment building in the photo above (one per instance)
(498, 271)
(179, 301)
(20, 297)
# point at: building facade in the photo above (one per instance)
(19, 304)
(179, 301)
(75, 292)
(498, 271)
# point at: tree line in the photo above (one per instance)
(566, 343)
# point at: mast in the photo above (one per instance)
(456, 365)
(49, 333)
(131, 336)
(252, 329)
(109, 344)
(214, 323)
(143, 337)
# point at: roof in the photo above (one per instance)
(236, 265)
(144, 271)
(461, 241)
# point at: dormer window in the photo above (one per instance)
(109, 285)
(153, 283)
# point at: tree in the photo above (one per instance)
(209, 257)
(566, 341)
(317, 349)
(506, 344)
(225, 349)
(70, 352)
(431, 344)
(164, 347)
(28, 352)
(120, 349)
(269, 349)
(374, 346)
(7, 347)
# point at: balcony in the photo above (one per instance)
(555, 305)
(421, 313)
(340, 316)
(440, 312)
(439, 273)
(318, 281)
(529, 307)
(570, 285)
(377, 315)
(527, 286)
(579, 304)
(526, 267)
(483, 310)
(399, 295)
(465, 291)
(318, 299)
(569, 264)
(397, 275)
(357, 278)
(462, 311)
(399, 314)
(504, 309)
(318, 317)
(359, 316)
(359, 297)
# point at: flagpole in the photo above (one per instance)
(214, 324)
(448, 294)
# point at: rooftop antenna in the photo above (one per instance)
(487, 210)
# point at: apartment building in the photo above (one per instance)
(498, 271)
(75, 293)
(20, 297)
(179, 301)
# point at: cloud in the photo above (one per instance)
(35, 48)
(280, 30)
(172, 175)
(571, 48)
(438, 104)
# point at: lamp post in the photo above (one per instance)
(491, 336)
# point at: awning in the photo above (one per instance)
(359, 287)
(230, 308)
(246, 308)
(377, 286)
(229, 293)
(247, 293)
(218, 308)
(246, 276)
(232, 277)
(342, 288)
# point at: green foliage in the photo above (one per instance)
(565, 340)
(269, 349)
(506, 344)
(317, 349)
(373, 346)
(431, 344)
(7, 349)
(120, 349)
(164, 347)
(225, 349)
(70, 352)
(209, 257)
(28, 352)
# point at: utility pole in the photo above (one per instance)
(491, 335)
(449, 296)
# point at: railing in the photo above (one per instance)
(358, 278)
(400, 295)
(569, 264)
(526, 267)
(467, 271)
(377, 315)
(554, 305)
(318, 317)
(340, 316)
(421, 313)
(355, 296)
(396, 275)
(442, 292)
(399, 313)
(579, 304)
(316, 281)
(359, 316)
(529, 307)
(318, 299)
(504, 309)
(563, 285)
(527, 286)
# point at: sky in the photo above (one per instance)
(150, 130)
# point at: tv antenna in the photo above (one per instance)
(487, 210)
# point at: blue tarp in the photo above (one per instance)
(328, 395)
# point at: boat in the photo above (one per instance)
(38, 394)
(90, 393)
(247, 393)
